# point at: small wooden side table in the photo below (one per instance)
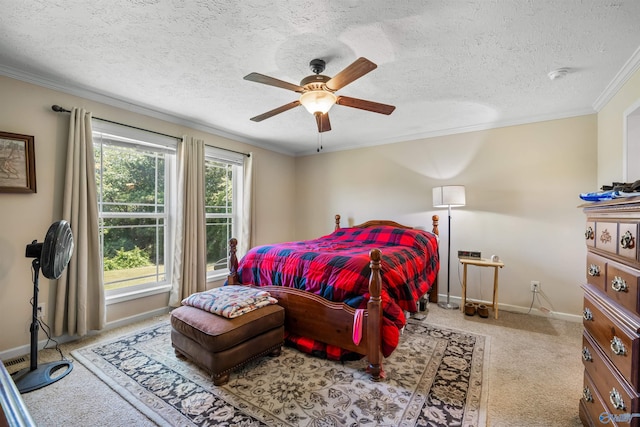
(480, 262)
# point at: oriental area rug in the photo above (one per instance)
(436, 377)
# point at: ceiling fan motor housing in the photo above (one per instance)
(317, 65)
(315, 82)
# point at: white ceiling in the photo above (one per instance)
(447, 65)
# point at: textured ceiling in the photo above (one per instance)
(447, 65)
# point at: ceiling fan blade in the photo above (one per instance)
(271, 81)
(323, 122)
(357, 69)
(275, 111)
(362, 104)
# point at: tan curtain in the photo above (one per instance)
(190, 260)
(80, 299)
(246, 239)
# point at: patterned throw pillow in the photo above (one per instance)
(230, 301)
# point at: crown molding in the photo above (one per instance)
(625, 73)
(631, 66)
(131, 106)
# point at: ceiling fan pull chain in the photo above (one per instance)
(320, 129)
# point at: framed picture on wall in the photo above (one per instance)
(17, 163)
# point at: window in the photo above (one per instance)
(223, 206)
(135, 174)
(136, 180)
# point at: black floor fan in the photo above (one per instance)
(52, 257)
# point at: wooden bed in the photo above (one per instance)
(310, 315)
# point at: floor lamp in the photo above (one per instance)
(448, 196)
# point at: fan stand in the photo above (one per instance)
(34, 377)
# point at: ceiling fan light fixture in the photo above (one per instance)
(318, 101)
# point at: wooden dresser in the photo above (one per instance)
(611, 314)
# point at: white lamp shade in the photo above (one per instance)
(318, 101)
(448, 196)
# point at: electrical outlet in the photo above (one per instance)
(535, 286)
(41, 311)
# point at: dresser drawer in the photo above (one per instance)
(607, 236)
(618, 342)
(622, 285)
(596, 271)
(618, 397)
(592, 403)
(628, 236)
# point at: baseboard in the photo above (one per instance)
(24, 350)
(522, 310)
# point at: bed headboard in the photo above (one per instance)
(376, 222)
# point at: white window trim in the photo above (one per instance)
(237, 161)
(130, 136)
(136, 294)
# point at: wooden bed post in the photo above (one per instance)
(433, 292)
(233, 263)
(337, 227)
(435, 219)
(374, 320)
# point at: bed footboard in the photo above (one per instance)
(312, 316)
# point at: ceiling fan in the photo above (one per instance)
(317, 92)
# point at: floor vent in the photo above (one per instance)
(15, 361)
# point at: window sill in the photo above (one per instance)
(221, 275)
(128, 296)
(141, 293)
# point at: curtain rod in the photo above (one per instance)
(59, 109)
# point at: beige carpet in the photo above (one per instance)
(535, 375)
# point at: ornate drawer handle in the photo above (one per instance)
(617, 346)
(589, 234)
(586, 314)
(618, 284)
(594, 270)
(627, 240)
(586, 355)
(605, 236)
(586, 393)
(616, 399)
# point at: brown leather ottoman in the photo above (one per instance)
(220, 345)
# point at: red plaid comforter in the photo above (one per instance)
(336, 267)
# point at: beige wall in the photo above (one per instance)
(610, 132)
(522, 182)
(26, 109)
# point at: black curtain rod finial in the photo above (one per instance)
(59, 109)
